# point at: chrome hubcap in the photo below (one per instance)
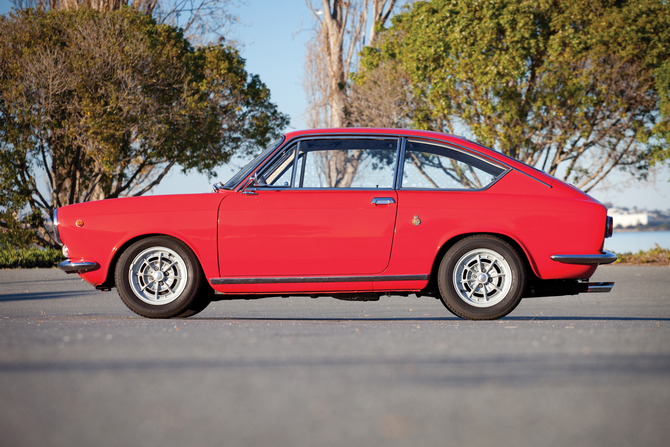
(158, 276)
(482, 277)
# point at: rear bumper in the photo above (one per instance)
(606, 257)
(78, 267)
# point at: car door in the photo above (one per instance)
(442, 194)
(322, 206)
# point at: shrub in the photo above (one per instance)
(30, 257)
(657, 255)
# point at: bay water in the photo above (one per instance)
(634, 241)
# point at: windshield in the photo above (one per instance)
(237, 178)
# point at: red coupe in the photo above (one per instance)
(352, 214)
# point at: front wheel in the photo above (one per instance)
(160, 277)
(481, 278)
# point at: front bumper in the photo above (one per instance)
(606, 257)
(78, 267)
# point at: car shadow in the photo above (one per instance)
(334, 319)
(47, 295)
(34, 281)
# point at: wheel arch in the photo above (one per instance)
(109, 278)
(528, 264)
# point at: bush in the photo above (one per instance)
(657, 256)
(30, 257)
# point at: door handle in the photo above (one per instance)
(383, 200)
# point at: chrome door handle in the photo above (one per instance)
(383, 200)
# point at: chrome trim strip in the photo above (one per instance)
(606, 257)
(78, 267)
(316, 279)
(55, 227)
(295, 163)
(400, 164)
(600, 287)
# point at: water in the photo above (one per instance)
(637, 240)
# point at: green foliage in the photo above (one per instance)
(30, 257)
(104, 104)
(553, 83)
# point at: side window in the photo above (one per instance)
(346, 163)
(434, 166)
(280, 172)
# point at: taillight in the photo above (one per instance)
(609, 226)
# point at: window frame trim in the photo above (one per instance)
(272, 158)
(401, 166)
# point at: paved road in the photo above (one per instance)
(79, 369)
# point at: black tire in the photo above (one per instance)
(490, 278)
(172, 292)
(200, 303)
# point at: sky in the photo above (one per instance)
(273, 35)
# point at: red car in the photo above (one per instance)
(352, 214)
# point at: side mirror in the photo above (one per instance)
(250, 187)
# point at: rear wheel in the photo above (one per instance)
(160, 277)
(481, 278)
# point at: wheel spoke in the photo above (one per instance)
(168, 287)
(495, 287)
(486, 295)
(170, 266)
(479, 262)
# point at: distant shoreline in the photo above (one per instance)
(640, 230)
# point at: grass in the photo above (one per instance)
(30, 257)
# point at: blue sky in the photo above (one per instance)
(273, 35)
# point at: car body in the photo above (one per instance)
(350, 213)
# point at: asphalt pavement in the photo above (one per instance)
(79, 369)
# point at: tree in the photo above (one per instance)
(339, 37)
(200, 19)
(568, 86)
(104, 105)
(382, 98)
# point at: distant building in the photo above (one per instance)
(628, 218)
